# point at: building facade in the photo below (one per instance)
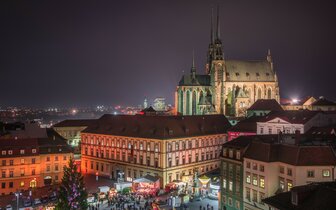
(228, 87)
(170, 147)
(272, 167)
(31, 163)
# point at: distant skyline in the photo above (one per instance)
(87, 53)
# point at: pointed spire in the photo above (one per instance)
(269, 57)
(218, 24)
(193, 68)
(212, 35)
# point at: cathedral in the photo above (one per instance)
(228, 87)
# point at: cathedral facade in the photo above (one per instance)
(228, 87)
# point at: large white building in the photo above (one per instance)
(291, 121)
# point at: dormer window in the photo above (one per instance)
(228, 74)
(237, 74)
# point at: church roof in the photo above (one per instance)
(249, 71)
(199, 80)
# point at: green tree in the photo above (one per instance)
(72, 193)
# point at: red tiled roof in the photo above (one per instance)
(159, 127)
(299, 155)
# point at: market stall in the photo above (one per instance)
(146, 185)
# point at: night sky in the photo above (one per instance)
(79, 53)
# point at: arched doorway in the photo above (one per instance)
(33, 183)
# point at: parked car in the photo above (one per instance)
(44, 199)
(27, 203)
(37, 201)
(9, 207)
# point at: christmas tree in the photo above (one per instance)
(72, 194)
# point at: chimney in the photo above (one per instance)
(297, 137)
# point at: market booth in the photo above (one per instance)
(146, 185)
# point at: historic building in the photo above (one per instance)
(169, 147)
(26, 163)
(228, 87)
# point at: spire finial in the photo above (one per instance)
(218, 24)
(193, 68)
(269, 57)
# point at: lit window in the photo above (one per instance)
(10, 152)
(22, 184)
(254, 166)
(326, 173)
(225, 152)
(262, 182)
(289, 185)
(22, 151)
(224, 183)
(248, 178)
(230, 185)
(3, 152)
(282, 184)
(22, 161)
(33, 151)
(230, 153)
(255, 180)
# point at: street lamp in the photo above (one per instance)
(17, 194)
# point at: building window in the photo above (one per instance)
(148, 146)
(262, 182)
(282, 184)
(254, 196)
(248, 178)
(230, 153)
(230, 201)
(22, 184)
(310, 173)
(3, 162)
(248, 194)
(230, 186)
(238, 156)
(225, 152)
(289, 185)
(289, 172)
(11, 173)
(326, 173)
(33, 151)
(11, 184)
(22, 151)
(224, 183)
(56, 158)
(3, 185)
(261, 168)
(22, 172)
(237, 205)
(169, 147)
(254, 166)
(48, 168)
(177, 146)
(11, 162)
(141, 146)
(33, 171)
(248, 165)
(261, 130)
(261, 197)
(22, 161)
(3, 174)
(48, 159)
(3, 152)
(255, 179)
(56, 167)
(281, 169)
